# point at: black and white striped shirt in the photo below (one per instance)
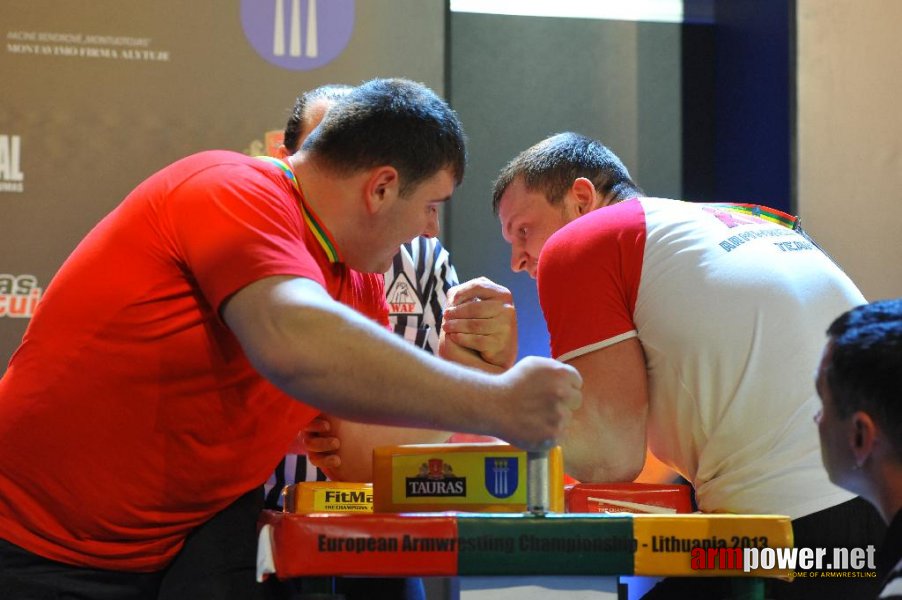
(416, 288)
(892, 589)
(889, 560)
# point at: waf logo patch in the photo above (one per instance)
(501, 476)
(435, 478)
(403, 298)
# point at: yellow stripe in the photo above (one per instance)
(661, 540)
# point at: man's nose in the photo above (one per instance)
(432, 226)
(519, 260)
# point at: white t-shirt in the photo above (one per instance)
(731, 312)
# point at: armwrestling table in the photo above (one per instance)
(514, 546)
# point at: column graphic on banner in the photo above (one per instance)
(298, 34)
(312, 39)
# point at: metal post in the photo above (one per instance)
(537, 495)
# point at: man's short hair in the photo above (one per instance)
(393, 122)
(552, 165)
(864, 371)
(295, 125)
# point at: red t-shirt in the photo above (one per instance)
(130, 415)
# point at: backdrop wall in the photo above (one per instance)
(849, 140)
(515, 80)
(98, 94)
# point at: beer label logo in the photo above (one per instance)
(436, 478)
(402, 297)
(19, 295)
(11, 177)
(501, 476)
(298, 34)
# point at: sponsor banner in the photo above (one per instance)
(328, 496)
(19, 296)
(668, 543)
(472, 477)
(361, 544)
(552, 544)
(457, 478)
(12, 179)
(89, 46)
(507, 544)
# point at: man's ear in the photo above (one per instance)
(862, 436)
(282, 151)
(583, 196)
(381, 188)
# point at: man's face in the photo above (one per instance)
(834, 431)
(411, 215)
(527, 221)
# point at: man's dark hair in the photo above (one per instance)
(864, 371)
(552, 165)
(391, 122)
(295, 124)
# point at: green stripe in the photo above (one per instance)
(319, 232)
(553, 544)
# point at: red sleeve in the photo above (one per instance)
(588, 278)
(233, 224)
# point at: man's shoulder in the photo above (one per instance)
(606, 223)
(207, 158)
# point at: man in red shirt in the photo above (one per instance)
(141, 401)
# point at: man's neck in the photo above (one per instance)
(888, 493)
(336, 199)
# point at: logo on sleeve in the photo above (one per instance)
(403, 298)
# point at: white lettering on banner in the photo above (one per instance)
(808, 558)
(10, 158)
(800, 562)
(77, 45)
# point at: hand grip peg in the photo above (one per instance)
(537, 493)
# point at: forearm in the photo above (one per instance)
(329, 356)
(359, 439)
